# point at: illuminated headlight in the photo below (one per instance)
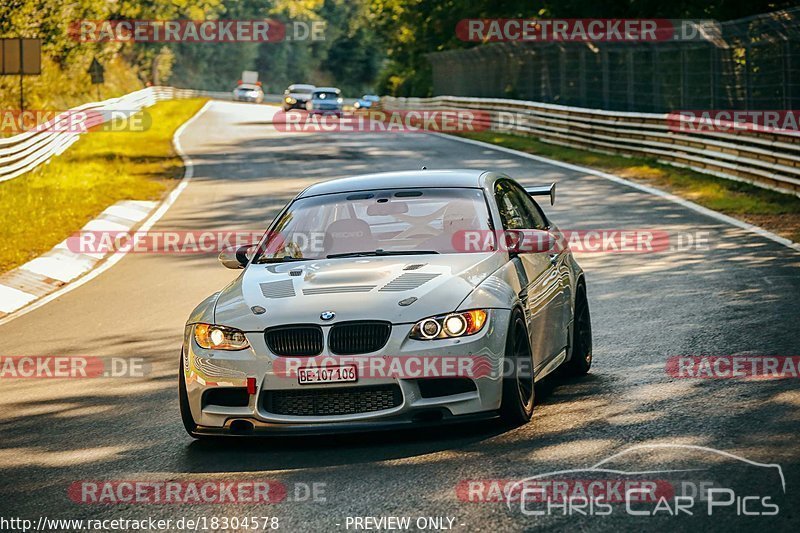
(219, 337)
(340, 100)
(290, 100)
(455, 325)
(450, 326)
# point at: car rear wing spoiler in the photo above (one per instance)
(543, 190)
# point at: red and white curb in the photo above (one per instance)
(45, 274)
(60, 270)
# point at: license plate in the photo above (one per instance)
(327, 374)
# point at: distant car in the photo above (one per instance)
(248, 92)
(367, 101)
(296, 96)
(325, 101)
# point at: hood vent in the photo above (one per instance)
(338, 289)
(407, 282)
(278, 289)
(414, 266)
(296, 272)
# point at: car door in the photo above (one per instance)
(538, 276)
(561, 309)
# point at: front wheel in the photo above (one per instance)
(516, 408)
(580, 360)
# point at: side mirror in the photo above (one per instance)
(528, 241)
(236, 258)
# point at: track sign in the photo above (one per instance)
(31, 56)
(21, 56)
(96, 71)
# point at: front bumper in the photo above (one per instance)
(330, 428)
(207, 369)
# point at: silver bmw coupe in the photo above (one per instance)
(384, 301)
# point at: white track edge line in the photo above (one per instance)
(116, 258)
(644, 188)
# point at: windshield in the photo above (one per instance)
(301, 90)
(247, 87)
(385, 222)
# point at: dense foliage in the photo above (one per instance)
(369, 45)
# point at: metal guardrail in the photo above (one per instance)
(24, 152)
(766, 159)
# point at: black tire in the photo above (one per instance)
(186, 413)
(580, 360)
(516, 408)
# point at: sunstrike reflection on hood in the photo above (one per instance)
(355, 289)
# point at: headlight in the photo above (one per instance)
(290, 100)
(450, 326)
(219, 337)
(340, 100)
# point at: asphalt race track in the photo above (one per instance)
(737, 295)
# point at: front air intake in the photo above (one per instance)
(333, 402)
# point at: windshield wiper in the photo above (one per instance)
(380, 252)
(285, 259)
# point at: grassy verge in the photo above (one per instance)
(40, 209)
(779, 213)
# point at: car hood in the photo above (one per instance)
(368, 288)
